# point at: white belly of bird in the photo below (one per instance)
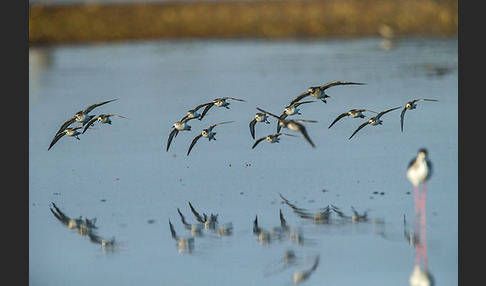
(417, 175)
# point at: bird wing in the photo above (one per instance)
(424, 99)
(278, 134)
(359, 128)
(199, 218)
(93, 106)
(193, 143)
(89, 123)
(306, 135)
(386, 111)
(172, 231)
(299, 97)
(334, 83)
(208, 106)
(237, 99)
(258, 141)
(296, 104)
(344, 114)
(171, 136)
(214, 125)
(271, 114)
(66, 124)
(402, 116)
(282, 116)
(252, 127)
(56, 138)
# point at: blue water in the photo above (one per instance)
(122, 175)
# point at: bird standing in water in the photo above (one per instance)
(419, 172)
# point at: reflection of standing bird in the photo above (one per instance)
(353, 113)
(318, 92)
(373, 121)
(409, 106)
(206, 133)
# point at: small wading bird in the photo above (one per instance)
(318, 92)
(70, 131)
(82, 116)
(102, 118)
(409, 106)
(272, 138)
(178, 126)
(218, 102)
(293, 125)
(373, 121)
(353, 113)
(206, 133)
(259, 117)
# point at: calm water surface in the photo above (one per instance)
(122, 175)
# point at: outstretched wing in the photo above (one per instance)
(171, 136)
(56, 138)
(386, 111)
(359, 128)
(93, 106)
(89, 123)
(344, 114)
(258, 141)
(237, 99)
(304, 133)
(194, 141)
(208, 106)
(252, 127)
(66, 124)
(402, 116)
(299, 97)
(334, 83)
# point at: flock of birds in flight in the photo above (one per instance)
(418, 172)
(316, 92)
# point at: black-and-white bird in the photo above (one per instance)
(82, 116)
(353, 113)
(272, 138)
(206, 133)
(293, 125)
(178, 126)
(373, 121)
(318, 92)
(70, 131)
(259, 117)
(409, 106)
(192, 113)
(102, 118)
(419, 172)
(218, 102)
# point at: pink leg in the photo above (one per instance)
(416, 197)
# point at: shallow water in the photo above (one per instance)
(122, 175)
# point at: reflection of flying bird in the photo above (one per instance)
(353, 113)
(301, 276)
(99, 240)
(218, 102)
(206, 133)
(373, 120)
(355, 217)
(409, 106)
(64, 219)
(178, 126)
(318, 217)
(293, 125)
(259, 117)
(185, 245)
(82, 116)
(102, 118)
(272, 138)
(70, 131)
(318, 92)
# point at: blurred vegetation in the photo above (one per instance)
(92, 22)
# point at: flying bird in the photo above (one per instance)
(293, 125)
(70, 131)
(178, 126)
(206, 133)
(82, 116)
(218, 102)
(353, 113)
(373, 121)
(409, 106)
(102, 118)
(290, 110)
(259, 117)
(192, 113)
(272, 138)
(318, 92)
